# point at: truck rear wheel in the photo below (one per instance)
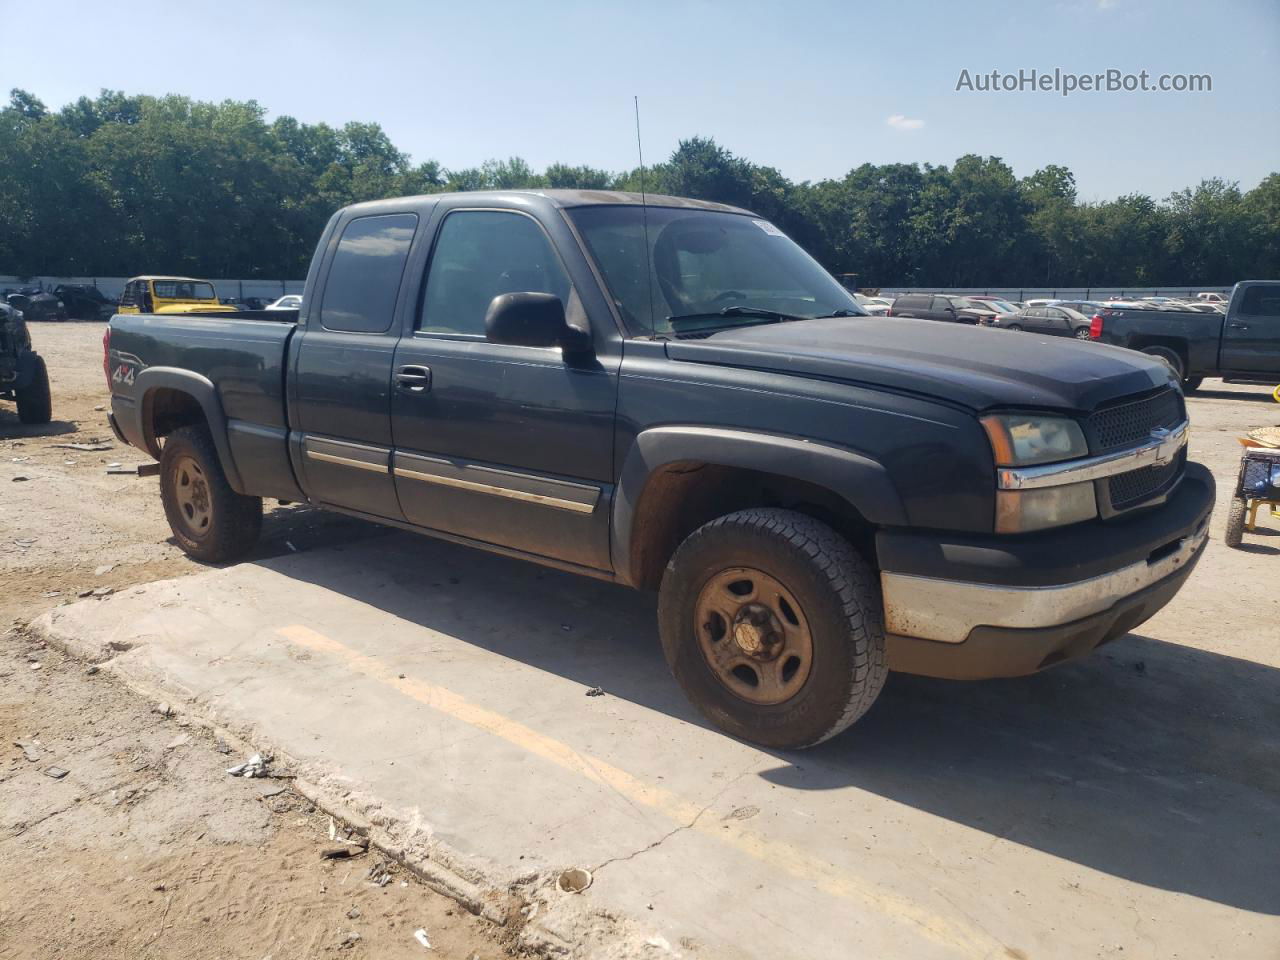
(34, 402)
(210, 521)
(773, 625)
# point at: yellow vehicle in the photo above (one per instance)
(171, 295)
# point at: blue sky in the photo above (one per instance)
(808, 87)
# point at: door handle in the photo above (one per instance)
(414, 379)
(1237, 325)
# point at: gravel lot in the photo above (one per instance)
(170, 856)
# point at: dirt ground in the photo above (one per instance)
(147, 848)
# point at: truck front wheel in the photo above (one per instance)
(210, 521)
(773, 625)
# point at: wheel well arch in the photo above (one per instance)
(1173, 344)
(681, 496)
(165, 409)
(170, 398)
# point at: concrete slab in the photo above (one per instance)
(440, 693)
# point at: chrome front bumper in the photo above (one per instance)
(948, 611)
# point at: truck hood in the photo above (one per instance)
(977, 367)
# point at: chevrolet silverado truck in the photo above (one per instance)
(1243, 344)
(670, 394)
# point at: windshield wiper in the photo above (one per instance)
(740, 311)
(842, 312)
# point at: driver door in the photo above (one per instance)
(508, 445)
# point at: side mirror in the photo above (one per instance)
(532, 320)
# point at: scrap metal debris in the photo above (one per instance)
(595, 692)
(56, 772)
(258, 765)
(421, 936)
(342, 852)
(380, 873)
(84, 447)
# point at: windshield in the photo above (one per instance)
(183, 290)
(709, 270)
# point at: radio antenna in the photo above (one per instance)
(644, 220)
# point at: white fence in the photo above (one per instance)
(112, 287)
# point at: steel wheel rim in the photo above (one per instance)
(191, 494)
(754, 635)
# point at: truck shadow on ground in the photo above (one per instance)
(11, 428)
(1150, 761)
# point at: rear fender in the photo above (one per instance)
(200, 389)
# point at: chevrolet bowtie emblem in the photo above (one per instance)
(1165, 450)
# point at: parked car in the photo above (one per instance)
(998, 304)
(84, 301)
(874, 306)
(23, 376)
(171, 295)
(37, 307)
(937, 306)
(1087, 307)
(1244, 344)
(290, 301)
(1213, 297)
(818, 496)
(1057, 321)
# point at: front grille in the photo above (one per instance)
(1130, 423)
(1132, 488)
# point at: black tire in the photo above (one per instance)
(1082, 333)
(1014, 326)
(228, 524)
(1192, 384)
(1168, 356)
(34, 403)
(1235, 522)
(840, 610)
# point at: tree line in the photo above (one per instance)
(123, 184)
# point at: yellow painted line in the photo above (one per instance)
(964, 938)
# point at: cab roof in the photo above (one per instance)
(557, 198)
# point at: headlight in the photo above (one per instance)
(1023, 440)
(1021, 511)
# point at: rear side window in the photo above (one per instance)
(1261, 302)
(912, 302)
(364, 279)
(479, 255)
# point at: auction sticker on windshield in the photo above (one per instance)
(768, 228)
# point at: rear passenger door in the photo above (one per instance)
(1057, 322)
(508, 445)
(340, 375)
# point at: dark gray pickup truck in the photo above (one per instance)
(1242, 345)
(674, 396)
